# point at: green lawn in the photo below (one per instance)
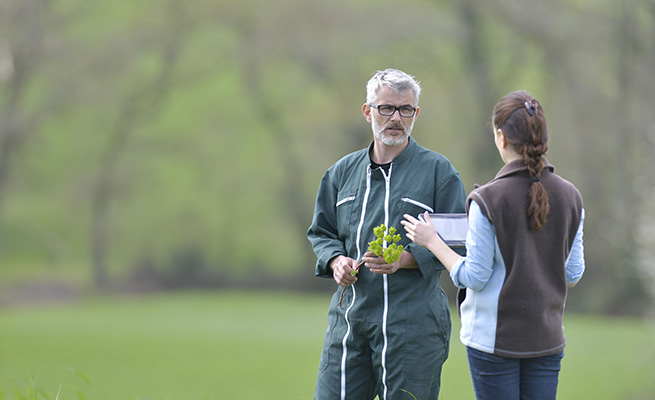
(243, 345)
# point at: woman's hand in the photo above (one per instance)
(420, 232)
(424, 234)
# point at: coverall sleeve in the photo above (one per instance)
(450, 198)
(323, 233)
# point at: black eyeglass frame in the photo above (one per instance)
(395, 108)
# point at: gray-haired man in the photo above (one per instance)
(390, 335)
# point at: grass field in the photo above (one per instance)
(245, 345)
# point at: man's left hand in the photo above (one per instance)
(377, 265)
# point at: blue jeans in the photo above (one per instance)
(500, 378)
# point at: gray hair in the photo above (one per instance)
(396, 80)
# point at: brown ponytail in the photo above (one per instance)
(523, 122)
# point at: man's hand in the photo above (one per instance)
(341, 267)
(377, 265)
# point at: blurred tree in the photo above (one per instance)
(24, 51)
(478, 63)
(634, 129)
(139, 104)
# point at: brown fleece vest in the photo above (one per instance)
(531, 301)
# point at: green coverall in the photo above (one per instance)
(391, 335)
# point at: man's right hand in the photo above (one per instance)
(341, 267)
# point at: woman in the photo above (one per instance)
(524, 246)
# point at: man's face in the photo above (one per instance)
(391, 130)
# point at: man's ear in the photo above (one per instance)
(366, 110)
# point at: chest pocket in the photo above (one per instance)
(415, 205)
(345, 211)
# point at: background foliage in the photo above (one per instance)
(159, 144)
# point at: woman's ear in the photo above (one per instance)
(500, 138)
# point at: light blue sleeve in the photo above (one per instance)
(575, 264)
(474, 270)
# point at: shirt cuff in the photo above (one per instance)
(454, 272)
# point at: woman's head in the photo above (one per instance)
(522, 121)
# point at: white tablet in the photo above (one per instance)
(451, 227)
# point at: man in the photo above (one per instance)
(390, 335)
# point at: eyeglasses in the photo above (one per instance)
(387, 110)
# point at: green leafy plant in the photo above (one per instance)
(391, 253)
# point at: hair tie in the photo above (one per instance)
(535, 179)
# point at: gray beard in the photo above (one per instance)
(391, 140)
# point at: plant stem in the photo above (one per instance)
(344, 288)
